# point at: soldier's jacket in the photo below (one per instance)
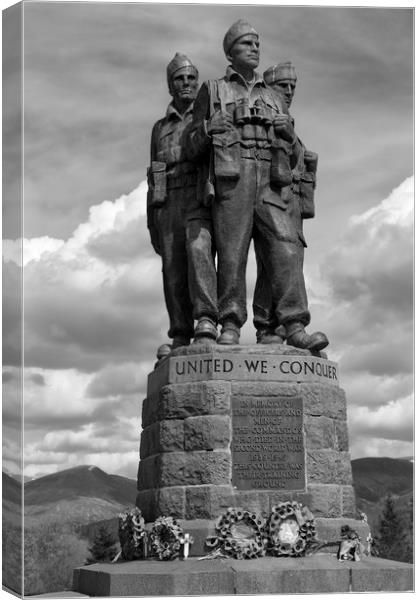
(225, 94)
(231, 146)
(168, 149)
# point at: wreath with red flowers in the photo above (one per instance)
(239, 534)
(166, 538)
(290, 529)
(132, 534)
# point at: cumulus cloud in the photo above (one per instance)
(120, 379)
(85, 304)
(368, 298)
(370, 278)
(392, 421)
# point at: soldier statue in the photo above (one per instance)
(173, 211)
(242, 133)
(282, 79)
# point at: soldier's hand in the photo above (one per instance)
(283, 128)
(220, 122)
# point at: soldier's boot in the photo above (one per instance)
(230, 334)
(297, 337)
(269, 335)
(163, 351)
(205, 331)
(180, 340)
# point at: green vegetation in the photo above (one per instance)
(52, 551)
(395, 538)
(104, 547)
(12, 556)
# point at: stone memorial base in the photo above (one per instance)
(320, 573)
(245, 426)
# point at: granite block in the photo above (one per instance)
(349, 501)
(208, 501)
(183, 400)
(207, 432)
(328, 466)
(325, 500)
(319, 432)
(193, 468)
(170, 501)
(323, 400)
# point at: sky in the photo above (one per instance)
(94, 84)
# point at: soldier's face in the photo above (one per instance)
(184, 84)
(286, 87)
(245, 52)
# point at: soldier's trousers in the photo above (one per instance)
(263, 305)
(251, 208)
(174, 219)
(201, 266)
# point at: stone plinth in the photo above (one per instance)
(320, 573)
(247, 426)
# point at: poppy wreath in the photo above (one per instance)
(166, 538)
(236, 546)
(132, 534)
(290, 529)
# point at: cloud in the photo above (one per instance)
(85, 304)
(38, 379)
(120, 379)
(87, 138)
(366, 298)
(66, 425)
(370, 390)
(393, 421)
(370, 277)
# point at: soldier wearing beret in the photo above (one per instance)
(243, 132)
(172, 204)
(282, 79)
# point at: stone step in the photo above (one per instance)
(320, 573)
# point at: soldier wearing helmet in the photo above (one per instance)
(243, 132)
(282, 79)
(172, 202)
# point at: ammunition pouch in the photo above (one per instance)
(307, 193)
(280, 173)
(226, 155)
(156, 176)
(181, 181)
(255, 152)
(307, 185)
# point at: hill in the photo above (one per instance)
(83, 481)
(374, 478)
(79, 495)
(11, 501)
(12, 490)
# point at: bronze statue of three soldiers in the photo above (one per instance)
(227, 167)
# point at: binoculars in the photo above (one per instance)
(244, 114)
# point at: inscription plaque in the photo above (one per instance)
(267, 443)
